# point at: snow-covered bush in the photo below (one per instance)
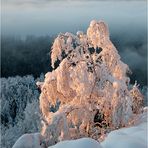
(91, 83)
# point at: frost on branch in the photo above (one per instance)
(91, 83)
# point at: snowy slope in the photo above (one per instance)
(131, 137)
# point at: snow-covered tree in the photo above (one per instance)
(19, 106)
(90, 81)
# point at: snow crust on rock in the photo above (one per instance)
(131, 137)
(28, 141)
(79, 143)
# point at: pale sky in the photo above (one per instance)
(52, 18)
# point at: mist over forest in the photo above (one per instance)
(29, 28)
(32, 55)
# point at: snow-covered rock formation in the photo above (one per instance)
(29, 141)
(79, 143)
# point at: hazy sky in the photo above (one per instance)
(51, 17)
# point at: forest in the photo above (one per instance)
(31, 55)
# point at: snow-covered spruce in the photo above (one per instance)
(91, 84)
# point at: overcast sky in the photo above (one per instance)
(55, 17)
(42, 1)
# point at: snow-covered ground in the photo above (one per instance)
(133, 137)
(129, 137)
(79, 143)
